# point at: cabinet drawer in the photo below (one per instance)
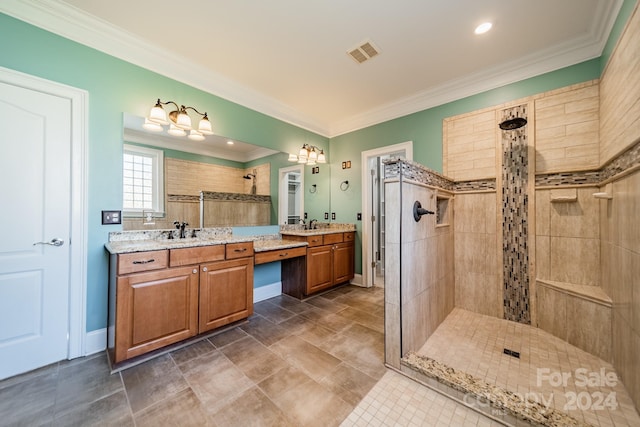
(279, 255)
(239, 250)
(197, 255)
(142, 261)
(349, 236)
(333, 238)
(315, 240)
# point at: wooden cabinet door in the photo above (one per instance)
(343, 260)
(155, 309)
(319, 268)
(226, 293)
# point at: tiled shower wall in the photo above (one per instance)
(419, 282)
(476, 254)
(515, 219)
(620, 254)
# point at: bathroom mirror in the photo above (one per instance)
(238, 167)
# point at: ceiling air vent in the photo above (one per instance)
(364, 52)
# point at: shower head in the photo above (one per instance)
(513, 123)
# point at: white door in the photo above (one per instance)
(35, 190)
(373, 209)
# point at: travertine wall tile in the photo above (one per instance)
(575, 260)
(589, 327)
(469, 146)
(620, 94)
(567, 129)
(552, 311)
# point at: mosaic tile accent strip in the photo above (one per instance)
(395, 167)
(515, 202)
(476, 185)
(568, 178)
(213, 195)
(628, 159)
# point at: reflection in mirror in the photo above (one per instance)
(236, 176)
(291, 195)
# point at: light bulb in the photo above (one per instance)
(175, 131)
(204, 127)
(195, 135)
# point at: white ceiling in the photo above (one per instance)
(288, 58)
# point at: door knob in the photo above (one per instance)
(53, 242)
(204, 269)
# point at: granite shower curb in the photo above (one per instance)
(499, 398)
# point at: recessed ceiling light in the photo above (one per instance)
(229, 142)
(483, 28)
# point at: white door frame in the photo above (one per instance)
(367, 232)
(78, 249)
(283, 191)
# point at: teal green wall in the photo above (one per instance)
(115, 86)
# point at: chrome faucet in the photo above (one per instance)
(181, 226)
(313, 224)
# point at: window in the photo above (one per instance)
(143, 183)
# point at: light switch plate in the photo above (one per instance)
(111, 217)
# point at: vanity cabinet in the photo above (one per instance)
(158, 298)
(330, 262)
(226, 293)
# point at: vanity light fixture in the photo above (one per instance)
(178, 120)
(309, 155)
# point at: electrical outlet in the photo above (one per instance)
(333, 216)
(111, 217)
(305, 215)
(359, 216)
(326, 215)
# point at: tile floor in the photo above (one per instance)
(312, 363)
(548, 370)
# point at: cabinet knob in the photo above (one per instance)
(195, 271)
(204, 269)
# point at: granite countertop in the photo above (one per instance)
(275, 244)
(128, 246)
(319, 231)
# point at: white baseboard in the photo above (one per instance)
(268, 291)
(95, 341)
(357, 280)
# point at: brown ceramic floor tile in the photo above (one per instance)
(272, 312)
(309, 369)
(332, 306)
(252, 408)
(112, 410)
(290, 303)
(264, 330)
(285, 379)
(364, 318)
(182, 409)
(215, 379)
(227, 337)
(84, 382)
(349, 383)
(152, 381)
(191, 352)
(313, 404)
(253, 358)
(29, 401)
(366, 358)
(312, 360)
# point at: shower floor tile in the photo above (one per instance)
(549, 370)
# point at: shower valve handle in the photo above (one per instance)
(418, 211)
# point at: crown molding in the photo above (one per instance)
(74, 24)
